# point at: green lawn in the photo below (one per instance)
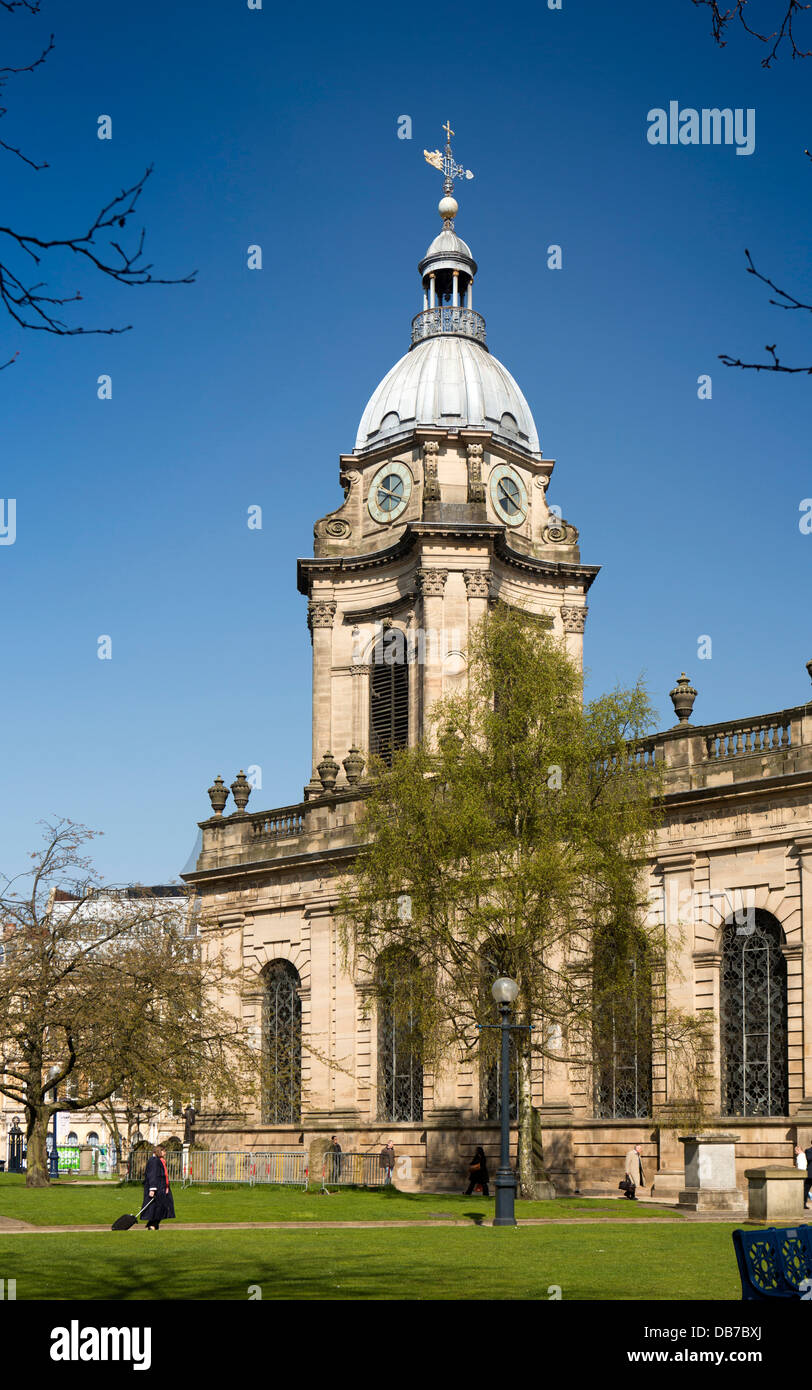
(612, 1262)
(66, 1204)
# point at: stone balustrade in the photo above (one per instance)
(279, 824)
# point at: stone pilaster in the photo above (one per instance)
(360, 705)
(478, 589)
(320, 616)
(431, 587)
(574, 621)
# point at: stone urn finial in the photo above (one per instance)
(218, 795)
(241, 790)
(809, 669)
(328, 771)
(354, 765)
(682, 698)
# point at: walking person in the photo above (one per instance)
(808, 1181)
(634, 1172)
(335, 1158)
(158, 1200)
(387, 1162)
(478, 1173)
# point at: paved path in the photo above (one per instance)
(9, 1227)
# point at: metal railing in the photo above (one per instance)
(137, 1164)
(352, 1170)
(231, 1166)
(284, 1169)
(452, 318)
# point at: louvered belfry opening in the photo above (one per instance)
(389, 701)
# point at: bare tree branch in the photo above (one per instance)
(30, 307)
(31, 303)
(785, 301)
(721, 18)
(5, 74)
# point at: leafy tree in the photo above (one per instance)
(107, 991)
(503, 848)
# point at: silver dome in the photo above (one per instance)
(453, 383)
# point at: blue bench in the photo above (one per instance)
(774, 1263)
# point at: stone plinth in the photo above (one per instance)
(85, 1159)
(710, 1173)
(775, 1194)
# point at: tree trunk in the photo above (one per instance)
(36, 1174)
(527, 1171)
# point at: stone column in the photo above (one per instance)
(320, 615)
(431, 586)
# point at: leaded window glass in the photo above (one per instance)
(621, 1030)
(754, 1018)
(282, 1046)
(400, 1063)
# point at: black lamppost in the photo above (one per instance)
(15, 1147)
(504, 991)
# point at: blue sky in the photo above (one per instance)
(278, 127)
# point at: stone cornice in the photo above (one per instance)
(335, 565)
(728, 791)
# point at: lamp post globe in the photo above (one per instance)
(505, 991)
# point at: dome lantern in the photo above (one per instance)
(448, 377)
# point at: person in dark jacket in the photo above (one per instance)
(808, 1182)
(478, 1173)
(386, 1159)
(157, 1192)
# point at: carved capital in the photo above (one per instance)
(431, 583)
(320, 613)
(574, 619)
(431, 484)
(477, 583)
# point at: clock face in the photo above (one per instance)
(508, 495)
(389, 492)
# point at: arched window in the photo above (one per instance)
(72, 1138)
(754, 1017)
(282, 1046)
(400, 1063)
(93, 1139)
(389, 695)
(621, 1026)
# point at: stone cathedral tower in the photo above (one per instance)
(445, 510)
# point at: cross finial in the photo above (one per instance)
(448, 168)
